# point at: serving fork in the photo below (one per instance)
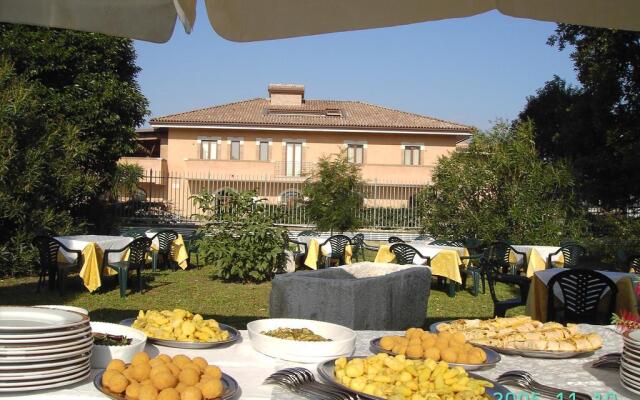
(524, 380)
(302, 381)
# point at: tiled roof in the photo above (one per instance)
(312, 113)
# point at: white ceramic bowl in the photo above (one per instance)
(101, 355)
(343, 340)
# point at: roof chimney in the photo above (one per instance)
(286, 94)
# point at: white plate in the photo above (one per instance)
(342, 340)
(12, 367)
(631, 366)
(9, 375)
(66, 308)
(629, 386)
(47, 386)
(46, 357)
(45, 375)
(631, 379)
(55, 348)
(21, 319)
(631, 355)
(44, 334)
(64, 335)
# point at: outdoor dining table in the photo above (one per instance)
(537, 257)
(93, 247)
(179, 252)
(445, 260)
(536, 305)
(314, 249)
(250, 369)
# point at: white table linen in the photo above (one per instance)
(544, 251)
(79, 242)
(431, 250)
(250, 368)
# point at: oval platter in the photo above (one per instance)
(492, 356)
(234, 335)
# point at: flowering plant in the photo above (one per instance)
(626, 321)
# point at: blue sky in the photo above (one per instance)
(471, 70)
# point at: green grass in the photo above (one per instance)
(195, 290)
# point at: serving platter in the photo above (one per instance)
(326, 371)
(492, 356)
(234, 335)
(34, 319)
(231, 388)
(549, 354)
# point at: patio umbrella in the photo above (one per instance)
(250, 20)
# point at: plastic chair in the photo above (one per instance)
(423, 237)
(582, 290)
(338, 248)
(301, 248)
(571, 253)
(193, 244)
(359, 247)
(137, 260)
(165, 247)
(405, 254)
(499, 252)
(57, 271)
(395, 239)
(494, 275)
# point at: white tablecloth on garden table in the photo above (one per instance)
(79, 242)
(431, 250)
(250, 368)
(542, 251)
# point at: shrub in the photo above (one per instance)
(239, 237)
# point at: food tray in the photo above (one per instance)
(525, 353)
(231, 388)
(326, 371)
(492, 357)
(234, 335)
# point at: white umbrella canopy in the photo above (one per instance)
(252, 20)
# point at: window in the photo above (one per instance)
(293, 159)
(263, 151)
(209, 150)
(355, 153)
(412, 155)
(235, 150)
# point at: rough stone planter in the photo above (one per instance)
(364, 296)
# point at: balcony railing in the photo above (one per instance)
(292, 169)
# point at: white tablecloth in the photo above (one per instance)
(544, 251)
(250, 369)
(431, 250)
(79, 242)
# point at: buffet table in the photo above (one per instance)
(250, 368)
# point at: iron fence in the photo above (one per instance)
(166, 198)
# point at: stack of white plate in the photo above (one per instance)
(42, 348)
(630, 363)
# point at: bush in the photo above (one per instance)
(239, 237)
(499, 188)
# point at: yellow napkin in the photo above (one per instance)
(90, 273)
(179, 252)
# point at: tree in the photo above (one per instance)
(499, 188)
(333, 193)
(594, 127)
(125, 181)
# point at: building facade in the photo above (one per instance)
(279, 139)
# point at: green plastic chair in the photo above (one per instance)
(138, 250)
(50, 266)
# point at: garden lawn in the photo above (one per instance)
(194, 290)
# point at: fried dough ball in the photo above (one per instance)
(116, 365)
(399, 349)
(173, 368)
(387, 342)
(163, 380)
(414, 351)
(141, 372)
(165, 358)
(463, 358)
(180, 360)
(458, 337)
(156, 362)
(429, 342)
(212, 389)
(191, 393)
(118, 383)
(159, 370)
(214, 371)
(432, 353)
(191, 365)
(449, 355)
(168, 394)
(140, 358)
(200, 362)
(180, 387)
(133, 391)
(148, 392)
(206, 378)
(444, 335)
(189, 376)
(107, 375)
(441, 344)
(146, 382)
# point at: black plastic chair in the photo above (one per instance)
(57, 271)
(193, 247)
(634, 264)
(165, 248)
(571, 253)
(498, 254)
(494, 275)
(137, 260)
(406, 253)
(359, 247)
(308, 233)
(338, 249)
(395, 239)
(300, 249)
(472, 266)
(423, 237)
(440, 242)
(582, 290)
